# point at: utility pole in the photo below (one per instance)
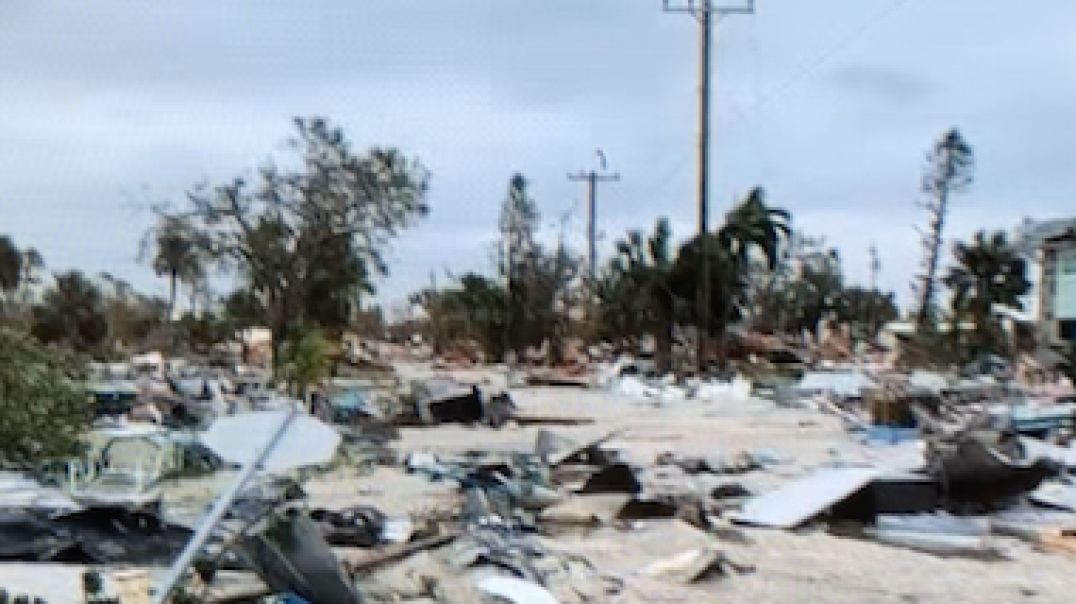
(875, 266)
(592, 178)
(703, 11)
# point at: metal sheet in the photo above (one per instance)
(803, 499)
(239, 438)
(938, 544)
(1055, 495)
(938, 524)
(1038, 449)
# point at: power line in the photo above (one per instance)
(807, 69)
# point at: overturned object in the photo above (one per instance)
(974, 470)
(806, 498)
(891, 493)
(445, 401)
(239, 438)
(615, 478)
(290, 555)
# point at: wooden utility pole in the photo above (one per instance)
(703, 11)
(592, 178)
(875, 266)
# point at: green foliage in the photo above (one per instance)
(18, 267)
(866, 311)
(816, 290)
(727, 280)
(475, 309)
(42, 412)
(646, 290)
(72, 313)
(243, 309)
(178, 253)
(751, 228)
(134, 320)
(201, 332)
(988, 273)
(537, 279)
(635, 292)
(950, 165)
(307, 359)
(808, 286)
(105, 317)
(10, 264)
(518, 221)
(754, 225)
(308, 240)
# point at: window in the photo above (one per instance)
(1066, 330)
(1066, 262)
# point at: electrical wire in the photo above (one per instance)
(806, 70)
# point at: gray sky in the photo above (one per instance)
(107, 106)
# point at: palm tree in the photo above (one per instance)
(751, 225)
(754, 224)
(989, 272)
(177, 255)
(637, 289)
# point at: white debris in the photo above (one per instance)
(838, 383)
(928, 380)
(739, 389)
(516, 590)
(239, 438)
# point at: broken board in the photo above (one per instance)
(803, 499)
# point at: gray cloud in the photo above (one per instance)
(885, 83)
(114, 103)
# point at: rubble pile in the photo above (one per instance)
(429, 488)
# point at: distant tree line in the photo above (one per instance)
(765, 277)
(303, 241)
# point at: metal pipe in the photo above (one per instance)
(220, 508)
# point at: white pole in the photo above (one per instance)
(220, 508)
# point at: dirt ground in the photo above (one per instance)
(802, 566)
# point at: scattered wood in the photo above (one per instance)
(551, 420)
(1058, 541)
(557, 379)
(235, 586)
(358, 561)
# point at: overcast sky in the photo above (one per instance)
(108, 106)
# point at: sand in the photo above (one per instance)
(803, 566)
